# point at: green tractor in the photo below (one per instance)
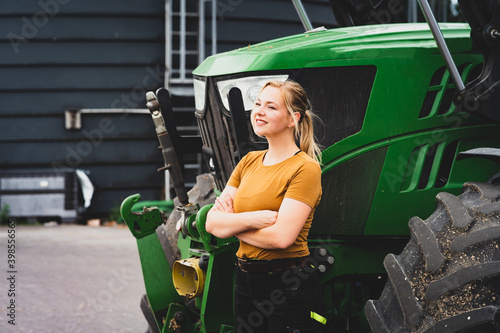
(400, 131)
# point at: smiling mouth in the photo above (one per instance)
(259, 121)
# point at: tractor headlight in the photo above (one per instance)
(200, 92)
(249, 86)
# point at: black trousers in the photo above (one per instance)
(278, 302)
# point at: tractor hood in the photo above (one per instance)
(343, 43)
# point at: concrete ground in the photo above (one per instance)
(71, 278)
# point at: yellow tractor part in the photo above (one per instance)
(188, 277)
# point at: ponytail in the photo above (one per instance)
(304, 133)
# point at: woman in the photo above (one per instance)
(268, 204)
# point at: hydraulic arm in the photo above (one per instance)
(481, 96)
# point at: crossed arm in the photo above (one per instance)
(263, 228)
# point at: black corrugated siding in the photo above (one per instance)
(243, 22)
(60, 54)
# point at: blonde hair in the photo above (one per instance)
(295, 99)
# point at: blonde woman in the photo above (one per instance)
(268, 204)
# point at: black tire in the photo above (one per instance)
(447, 279)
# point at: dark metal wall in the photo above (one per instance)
(243, 22)
(57, 55)
(60, 54)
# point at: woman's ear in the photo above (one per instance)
(296, 118)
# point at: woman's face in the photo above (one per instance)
(270, 115)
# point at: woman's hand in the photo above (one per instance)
(223, 222)
(282, 234)
(224, 203)
(257, 219)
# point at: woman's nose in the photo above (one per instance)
(258, 110)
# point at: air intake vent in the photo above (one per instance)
(429, 166)
(439, 98)
(449, 155)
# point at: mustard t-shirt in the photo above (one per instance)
(263, 187)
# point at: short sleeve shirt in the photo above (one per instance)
(263, 187)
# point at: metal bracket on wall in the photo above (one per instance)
(73, 117)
